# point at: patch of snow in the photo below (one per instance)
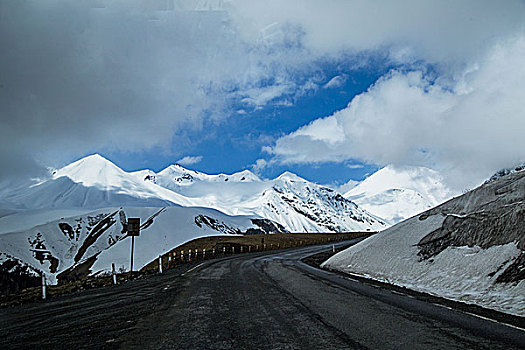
(458, 273)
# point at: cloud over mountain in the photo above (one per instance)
(467, 125)
(81, 77)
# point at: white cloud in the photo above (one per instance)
(189, 160)
(347, 186)
(335, 82)
(467, 127)
(432, 30)
(259, 165)
(355, 166)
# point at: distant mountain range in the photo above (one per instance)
(77, 215)
(94, 182)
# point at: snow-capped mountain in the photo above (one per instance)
(77, 216)
(94, 182)
(397, 193)
(470, 248)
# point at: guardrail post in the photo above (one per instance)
(241, 249)
(160, 263)
(204, 253)
(182, 255)
(249, 249)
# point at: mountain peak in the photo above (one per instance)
(288, 176)
(90, 170)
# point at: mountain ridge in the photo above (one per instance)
(95, 182)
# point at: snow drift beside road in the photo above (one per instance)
(428, 252)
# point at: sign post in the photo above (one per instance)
(133, 230)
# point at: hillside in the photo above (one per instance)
(471, 248)
(98, 238)
(397, 193)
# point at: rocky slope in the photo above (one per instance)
(470, 248)
(98, 238)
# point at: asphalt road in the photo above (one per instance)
(265, 300)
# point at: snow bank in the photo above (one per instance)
(458, 273)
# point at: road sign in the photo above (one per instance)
(133, 226)
(133, 230)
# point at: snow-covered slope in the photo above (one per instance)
(397, 193)
(297, 204)
(94, 182)
(471, 248)
(98, 238)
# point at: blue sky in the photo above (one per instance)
(240, 84)
(236, 142)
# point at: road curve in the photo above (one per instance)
(265, 300)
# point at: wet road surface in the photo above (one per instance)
(269, 300)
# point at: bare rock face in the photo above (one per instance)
(492, 214)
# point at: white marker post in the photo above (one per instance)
(43, 286)
(333, 248)
(114, 273)
(160, 263)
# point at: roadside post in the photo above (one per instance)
(43, 286)
(160, 263)
(114, 273)
(133, 230)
